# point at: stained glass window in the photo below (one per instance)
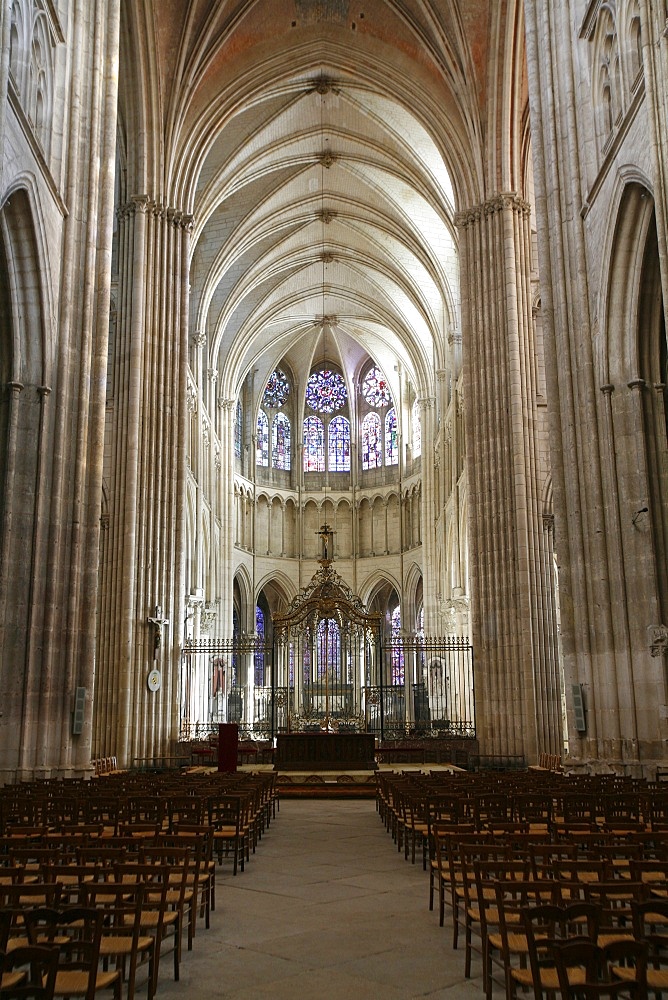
(326, 391)
(262, 439)
(238, 427)
(338, 435)
(314, 445)
(372, 457)
(329, 649)
(236, 632)
(398, 668)
(375, 388)
(280, 442)
(277, 390)
(306, 657)
(259, 655)
(391, 438)
(417, 430)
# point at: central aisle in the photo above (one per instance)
(326, 909)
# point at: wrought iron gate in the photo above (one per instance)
(324, 676)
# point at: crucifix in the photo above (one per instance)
(158, 622)
(325, 533)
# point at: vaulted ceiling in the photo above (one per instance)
(323, 147)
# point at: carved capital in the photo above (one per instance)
(426, 402)
(139, 203)
(212, 374)
(199, 340)
(505, 200)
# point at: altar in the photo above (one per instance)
(325, 752)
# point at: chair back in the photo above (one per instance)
(35, 968)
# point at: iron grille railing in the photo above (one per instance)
(414, 687)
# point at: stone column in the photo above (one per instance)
(147, 483)
(54, 409)
(428, 519)
(230, 513)
(517, 686)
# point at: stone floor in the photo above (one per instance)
(326, 909)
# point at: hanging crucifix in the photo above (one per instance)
(327, 536)
(158, 623)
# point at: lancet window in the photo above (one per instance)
(398, 665)
(314, 445)
(391, 438)
(371, 442)
(259, 655)
(274, 437)
(329, 649)
(280, 442)
(338, 435)
(326, 437)
(262, 439)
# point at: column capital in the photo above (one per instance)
(426, 402)
(497, 203)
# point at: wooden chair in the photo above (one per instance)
(157, 919)
(416, 824)
(28, 973)
(183, 888)
(122, 939)
(512, 898)
(227, 820)
(547, 925)
(17, 900)
(472, 921)
(202, 868)
(77, 932)
(615, 902)
(650, 924)
(487, 873)
(186, 809)
(595, 966)
(454, 843)
(439, 864)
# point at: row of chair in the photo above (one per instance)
(116, 806)
(500, 852)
